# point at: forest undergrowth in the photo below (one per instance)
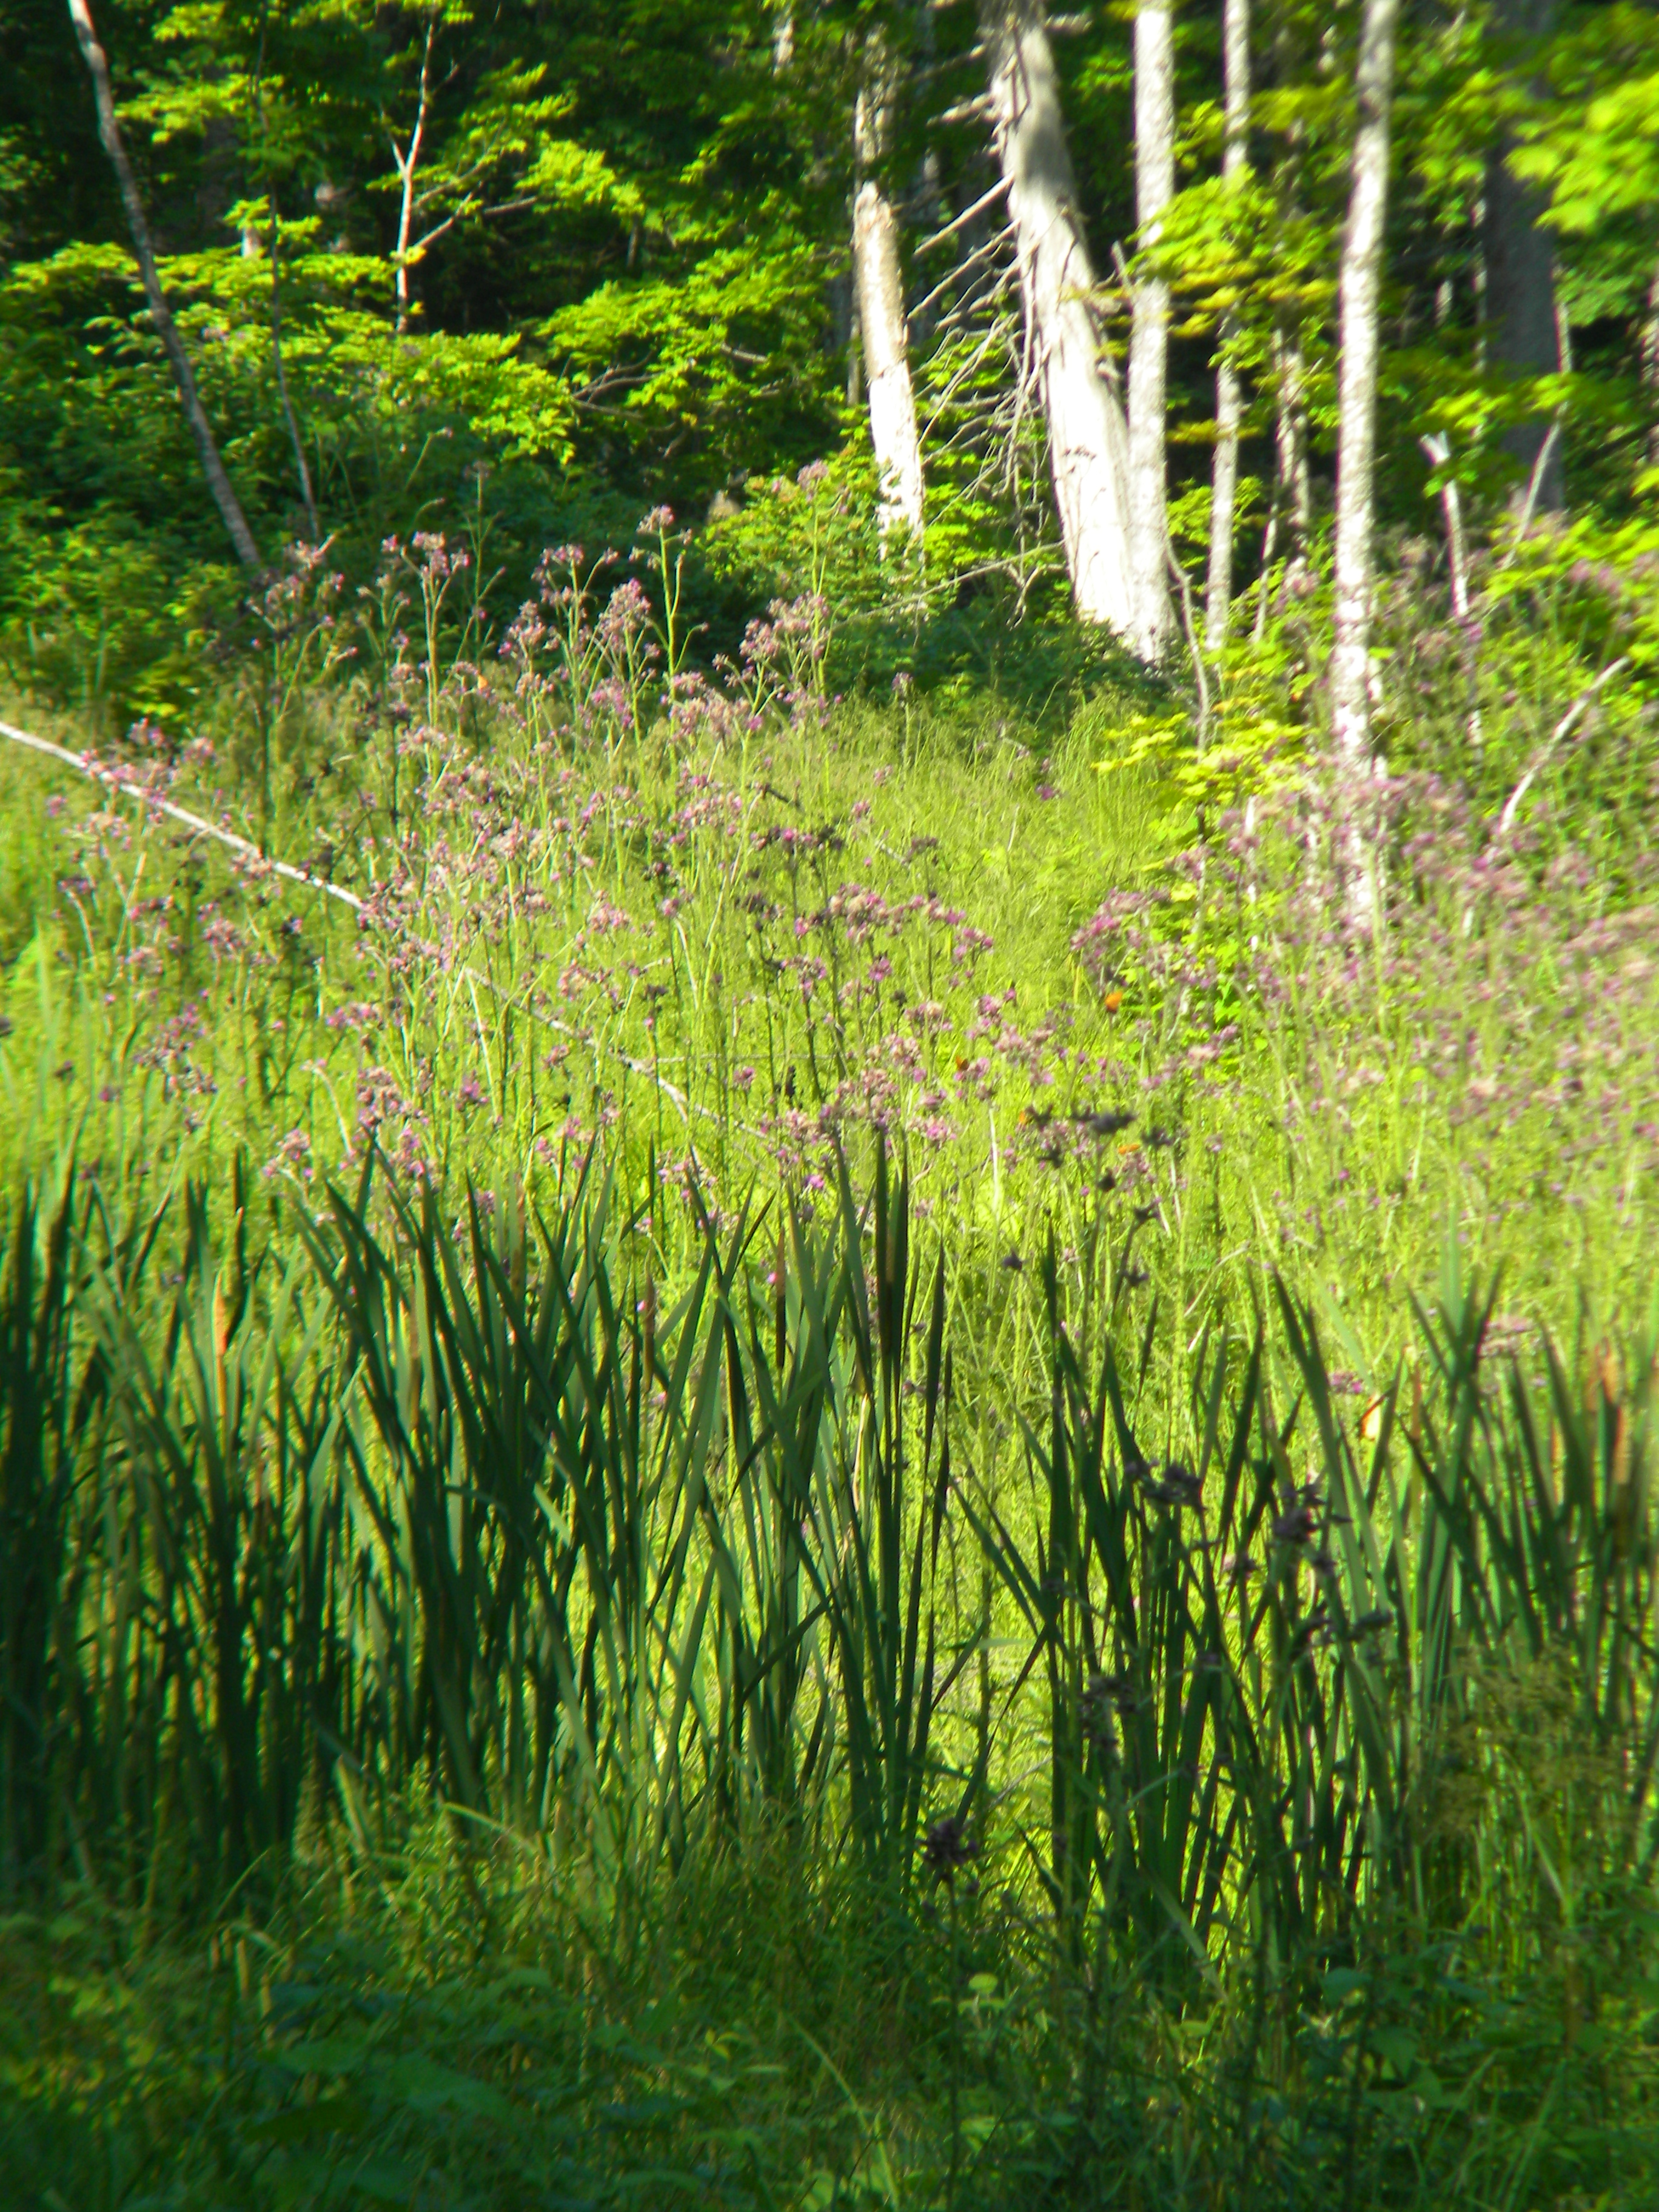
(774, 1448)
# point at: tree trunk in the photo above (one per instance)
(1650, 368)
(1291, 445)
(301, 467)
(1149, 343)
(1229, 400)
(1520, 267)
(1294, 501)
(1088, 439)
(1355, 452)
(224, 496)
(408, 162)
(879, 277)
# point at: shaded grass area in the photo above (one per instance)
(434, 2027)
(589, 1792)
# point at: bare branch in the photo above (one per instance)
(219, 483)
(1534, 484)
(1563, 729)
(984, 200)
(96, 772)
(961, 268)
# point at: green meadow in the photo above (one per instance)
(774, 1450)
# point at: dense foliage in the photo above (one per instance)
(614, 272)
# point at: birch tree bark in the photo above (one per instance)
(1520, 270)
(1088, 438)
(1229, 398)
(1149, 340)
(1360, 290)
(880, 276)
(219, 483)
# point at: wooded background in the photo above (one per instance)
(552, 265)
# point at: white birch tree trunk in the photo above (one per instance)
(1088, 438)
(1360, 292)
(1149, 341)
(1229, 398)
(879, 277)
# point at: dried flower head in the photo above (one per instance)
(948, 1848)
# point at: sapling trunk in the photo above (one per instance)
(407, 161)
(109, 132)
(1291, 445)
(1650, 368)
(1229, 398)
(1519, 258)
(301, 467)
(1437, 447)
(1149, 343)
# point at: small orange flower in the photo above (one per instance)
(1113, 1000)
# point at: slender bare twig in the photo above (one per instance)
(959, 270)
(1563, 728)
(219, 483)
(97, 772)
(1534, 484)
(958, 377)
(976, 110)
(959, 223)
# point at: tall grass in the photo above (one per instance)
(772, 927)
(461, 1504)
(1284, 1683)
(804, 1346)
